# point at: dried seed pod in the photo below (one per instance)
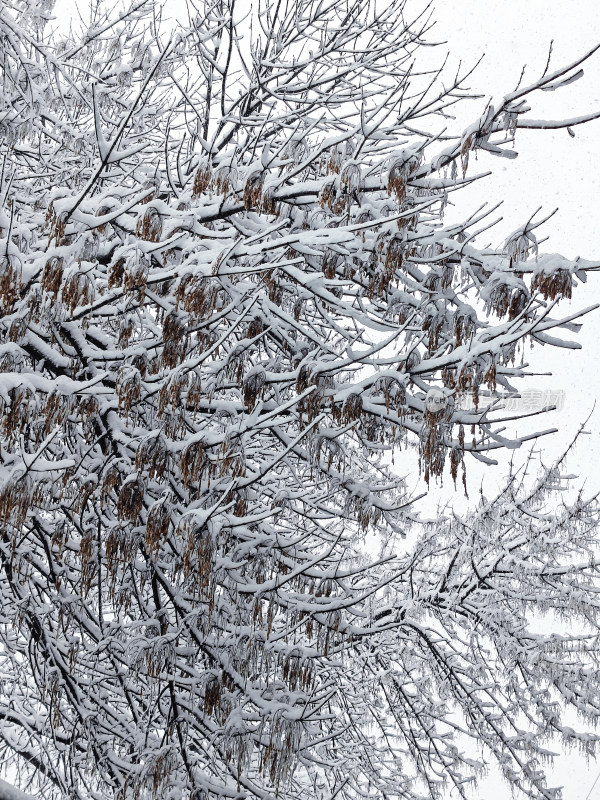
(253, 191)
(394, 256)
(134, 278)
(103, 211)
(175, 340)
(52, 275)
(16, 499)
(171, 391)
(255, 327)
(504, 294)
(253, 384)
(17, 329)
(223, 180)
(401, 169)
(57, 223)
(199, 554)
(112, 481)
(18, 415)
(153, 456)
(212, 694)
(56, 410)
(198, 295)
(149, 226)
(558, 283)
(78, 290)
(128, 388)
(10, 282)
(268, 203)
(90, 247)
(126, 328)
(157, 525)
(116, 273)
(350, 178)
(131, 497)
(464, 327)
(353, 407)
(468, 143)
(194, 392)
(328, 194)
(193, 463)
(518, 246)
(202, 180)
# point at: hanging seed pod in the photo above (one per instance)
(78, 290)
(253, 191)
(464, 327)
(490, 375)
(52, 275)
(198, 295)
(157, 525)
(10, 282)
(467, 144)
(212, 694)
(558, 283)
(112, 481)
(201, 180)
(175, 340)
(153, 456)
(131, 496)
(518, 303)
(350, 178)
(128, 388)
(149, 226)
(199, 554)
(255, 327)
(353, 408)
(224, 179)
(268, 203)
(153, 187)
(88, 559)
(18, 415)
(17, 330)
(328, 194)
(116, 273)
(518, 246)
(400, 171)
(91, 244)
(253, 384)
(329, 263)
(103, 211)
(505, 294)
(135, 276)
(126, 328)
(15, 499)
(58, 223)
(56, 410)
(325, 450)
(171, 391)
(193, 463)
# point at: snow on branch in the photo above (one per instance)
(236, 326)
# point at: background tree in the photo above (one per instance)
(229, 294)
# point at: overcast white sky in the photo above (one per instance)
(553, 170)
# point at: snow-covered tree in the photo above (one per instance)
(232, 314)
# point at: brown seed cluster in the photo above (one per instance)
(131, 496)
(149, 226)
(558, 283)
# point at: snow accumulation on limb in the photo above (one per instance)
(8, 792)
